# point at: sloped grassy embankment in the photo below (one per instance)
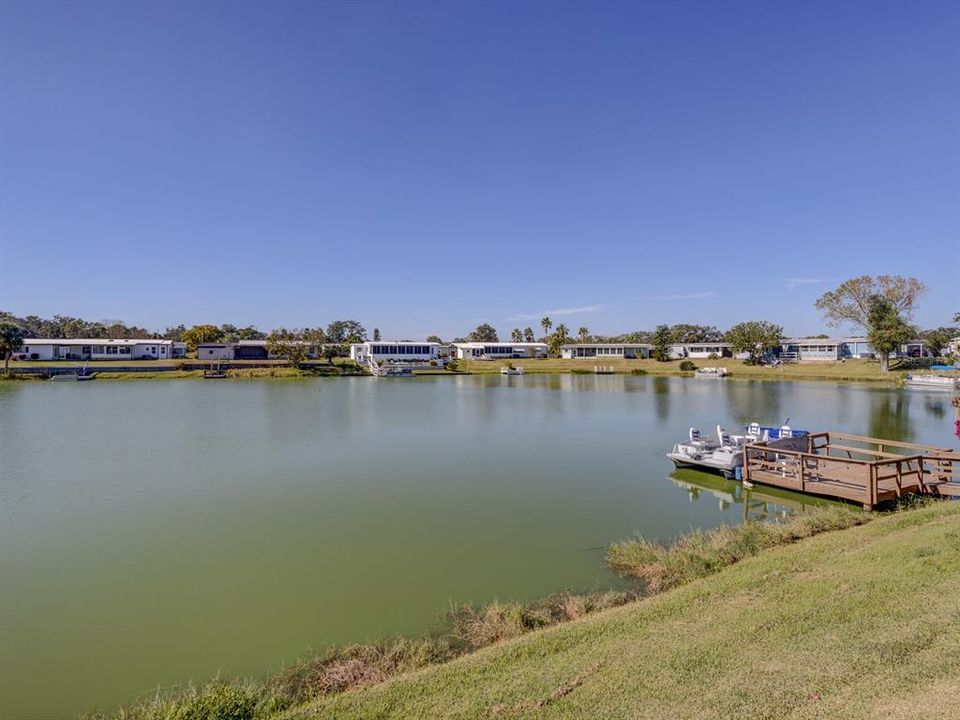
(859, 623)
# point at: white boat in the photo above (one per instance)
(932, 381)
(711, 372)
(506, 370)
(723, 453)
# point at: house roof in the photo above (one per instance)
(499, 344)
(95, 341)
(818, 341)
(569, 346)
(395, 342)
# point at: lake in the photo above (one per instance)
(152, 532)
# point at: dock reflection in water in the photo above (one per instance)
(757, 503)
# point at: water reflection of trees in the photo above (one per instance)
(935, 407)
(890, 416)
(661, 398)
(755, 401)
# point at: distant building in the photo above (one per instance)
(215, 351)
(700, 350)
(812, 349)
(179, 350)
(95, 349)
(380, 351)
(499, 350)
(835, 349)
(250, 350)
(607, 351)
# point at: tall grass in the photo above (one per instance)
(698, 554)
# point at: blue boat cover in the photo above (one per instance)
(774, 432)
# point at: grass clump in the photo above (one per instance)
(700, 553)
(352, 666)
(474, 628)
(214, 700)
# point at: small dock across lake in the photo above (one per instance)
(856, 468)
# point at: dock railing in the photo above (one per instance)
(852, 467)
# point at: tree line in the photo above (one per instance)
(881, 307)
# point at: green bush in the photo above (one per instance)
(638, 371)
(688, 366)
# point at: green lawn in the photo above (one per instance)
(859, 623)
(849, 370)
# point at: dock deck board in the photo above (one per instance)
(807, 465)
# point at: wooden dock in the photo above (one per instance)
(856, 468)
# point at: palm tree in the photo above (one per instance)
(528, 335)
(11, 338)
(583, 333)
(562, 334)
(516, 335)
(546, 323)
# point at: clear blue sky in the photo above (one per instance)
(423, 167)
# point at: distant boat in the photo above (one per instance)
(78, 376)
(214, 373)
(510, 370)
(936, 382)
(72, 377)
(711, 372)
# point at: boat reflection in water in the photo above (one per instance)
(758, 503)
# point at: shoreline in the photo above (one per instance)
(849, 371)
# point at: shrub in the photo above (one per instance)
(638, 371)
(580, 371)
(688, 366)
(453, 366)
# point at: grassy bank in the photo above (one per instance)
(861, 623)
(849, 370)
(176, 371)
(792, 629)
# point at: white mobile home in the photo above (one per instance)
(813, 349)
(499, 350)
(215, 351)
(700, 350)
(402, 351)
(95, 349)
(608, 351)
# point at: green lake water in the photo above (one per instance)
(157, 532)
